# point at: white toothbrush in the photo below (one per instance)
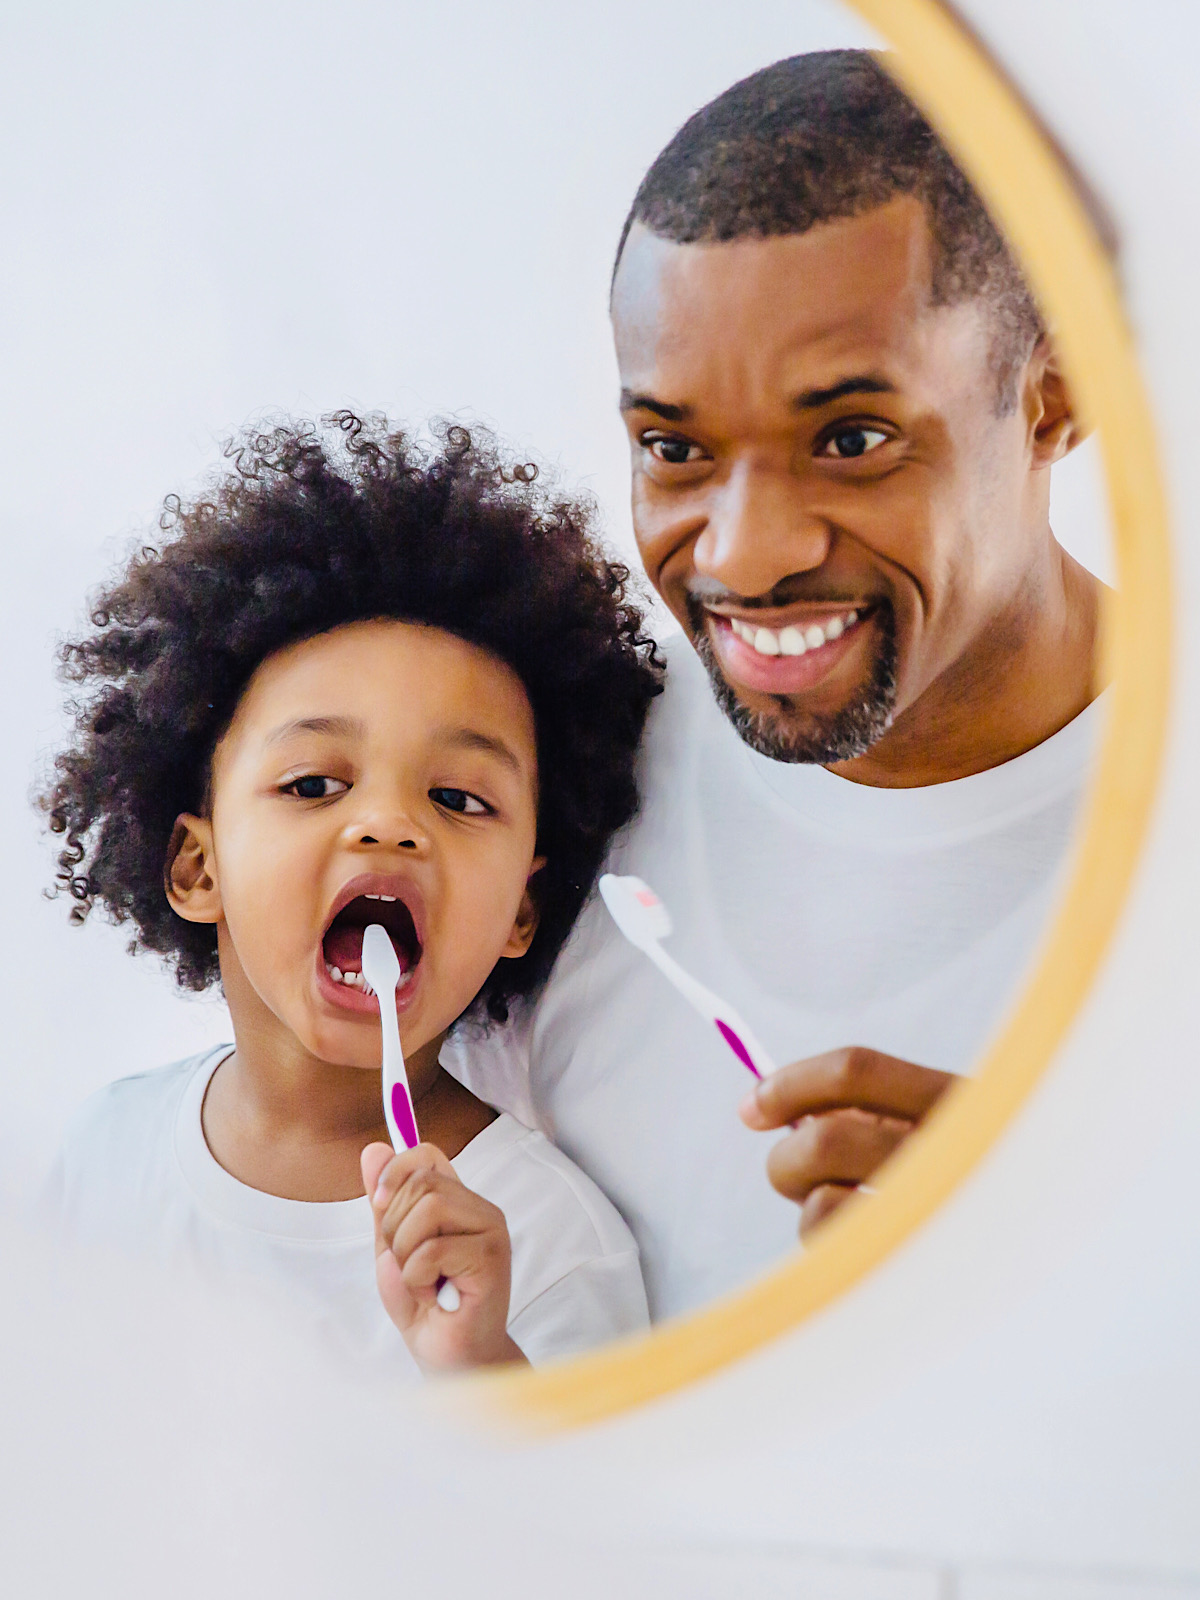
(644, 920)
(381, 969)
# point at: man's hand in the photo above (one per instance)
(852, 1109)
(430, 1227)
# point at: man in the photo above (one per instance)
(842, 410)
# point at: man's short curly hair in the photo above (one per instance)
(314, 527)
(823, 136)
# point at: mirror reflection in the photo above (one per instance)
(694, 887)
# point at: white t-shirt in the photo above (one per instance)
(136, 1175)
(829, 913)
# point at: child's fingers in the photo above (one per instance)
(398, 1300)
(400, 1168)
(373, 1160)
(442, 1208)
(415, 1190)
(460, 1257)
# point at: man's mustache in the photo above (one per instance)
(790, 591)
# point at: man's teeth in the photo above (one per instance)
(355, 980)
(792, 641)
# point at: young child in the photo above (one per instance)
(358, 682)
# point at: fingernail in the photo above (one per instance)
(380, 1195)
(749, 1105)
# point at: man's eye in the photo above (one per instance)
(311, 787)
(847, 443)
(459, 800)
(673, 452)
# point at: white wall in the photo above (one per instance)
(213, 209)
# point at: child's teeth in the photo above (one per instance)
(388, 897)
(336, 974)
(371, 897)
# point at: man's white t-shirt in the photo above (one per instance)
(136, 1176)
(829, 913)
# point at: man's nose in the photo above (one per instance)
(387, 821)
(760, 530)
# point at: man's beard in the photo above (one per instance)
(840, 736)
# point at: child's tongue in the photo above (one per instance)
(343, 947)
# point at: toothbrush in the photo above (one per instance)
(381, 969)
(644, 920)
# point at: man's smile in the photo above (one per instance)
(785, 651)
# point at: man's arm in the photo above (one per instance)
(852, 1108)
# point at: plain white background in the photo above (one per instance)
(212, 211)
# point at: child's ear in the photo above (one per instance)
(526, 924)
(190, 874)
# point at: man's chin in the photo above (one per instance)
(786, 733)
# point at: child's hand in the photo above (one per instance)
(430, 1226)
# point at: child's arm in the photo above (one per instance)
(429, 1226)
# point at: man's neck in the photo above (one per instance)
(1034, 672)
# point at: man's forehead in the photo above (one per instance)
(855, 292)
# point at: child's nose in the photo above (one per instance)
(388, 826)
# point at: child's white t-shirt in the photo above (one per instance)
(135, 1175)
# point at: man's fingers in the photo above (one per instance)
(837, 1147)
(821, 1203)
(855, 1077)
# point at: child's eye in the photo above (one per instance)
(312, 787)
(459, 800)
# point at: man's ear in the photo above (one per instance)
(528, 916)
(190, 875)
(1055, 430)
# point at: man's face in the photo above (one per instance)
(823, 492)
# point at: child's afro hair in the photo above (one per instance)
(316, 526)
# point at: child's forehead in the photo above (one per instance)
(383, 673)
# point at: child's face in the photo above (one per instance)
(384, 759)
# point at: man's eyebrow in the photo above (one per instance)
(473, 739)
(630, 401)
(345, 727)
(863, 383)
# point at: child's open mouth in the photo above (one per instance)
(379, 900)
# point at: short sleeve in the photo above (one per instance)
(597, 1301)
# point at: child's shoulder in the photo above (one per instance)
(124, 1131)
(576, 1276)
(137, 1099)
(518, 1168)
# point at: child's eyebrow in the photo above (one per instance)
(472, 739)
(346, 727)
